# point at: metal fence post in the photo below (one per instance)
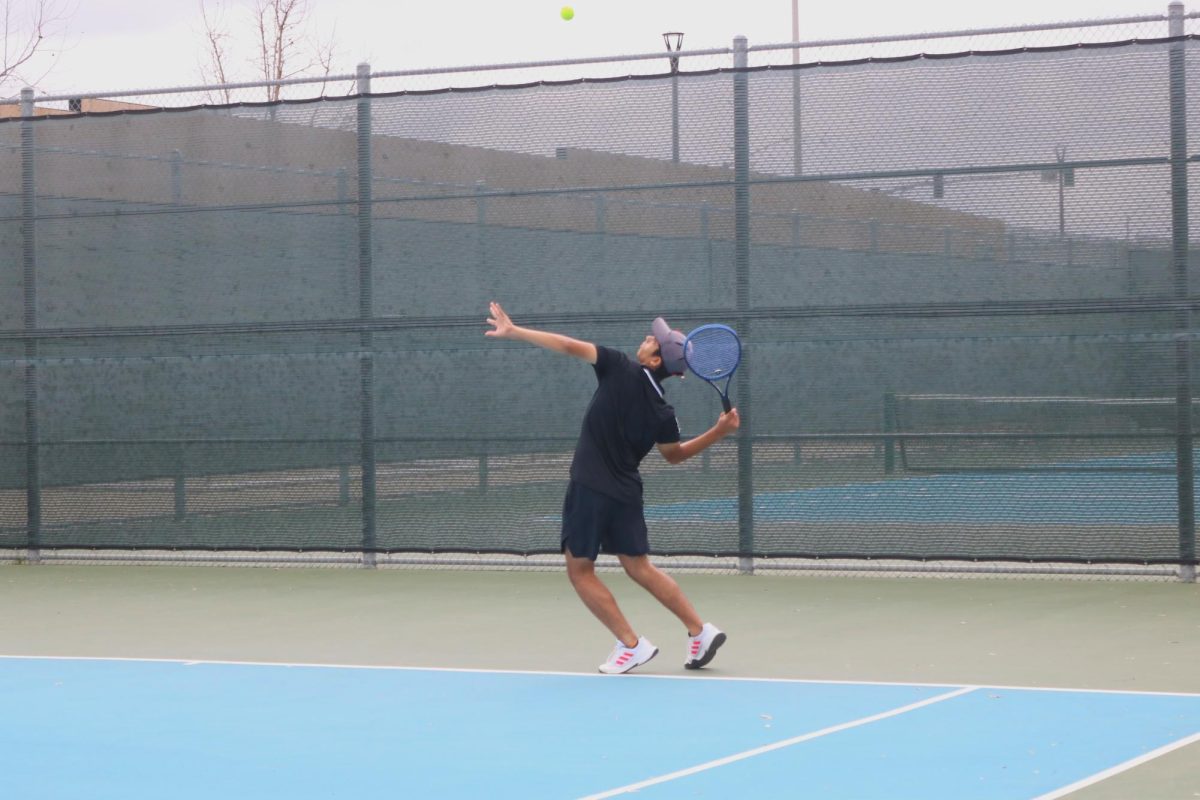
(483, 468)
(706, 239)
(343, 191)
(33, 480)
(366, 312)
(346, 211)
(601, 228)
(180, 496)
(889, 426)
(741, 197)
(481, 223)
(1185, 468)
(176, 177)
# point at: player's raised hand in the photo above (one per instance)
(502, 326)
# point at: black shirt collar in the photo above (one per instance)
(653, 382)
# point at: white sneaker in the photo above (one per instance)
(622, 658)
(703, 646)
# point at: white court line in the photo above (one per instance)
(1119, 768)
(597, 675)
(720, 762)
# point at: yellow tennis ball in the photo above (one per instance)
(567, 12)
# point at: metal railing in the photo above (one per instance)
(812, 51)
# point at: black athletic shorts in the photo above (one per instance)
(593, 523)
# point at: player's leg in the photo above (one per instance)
(586, 517)
(598, 598)
(630, 540)
(664, 589)
(704, 638)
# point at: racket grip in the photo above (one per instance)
(728, 406)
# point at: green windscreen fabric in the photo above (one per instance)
(966, 313)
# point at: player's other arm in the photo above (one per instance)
(503, 328)
(678, 452)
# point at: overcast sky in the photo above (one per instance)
(116, 44)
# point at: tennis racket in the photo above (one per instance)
(713, 353)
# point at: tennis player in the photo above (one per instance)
(602, 511)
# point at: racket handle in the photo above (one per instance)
(728, 406)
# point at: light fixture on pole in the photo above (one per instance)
(674, 41)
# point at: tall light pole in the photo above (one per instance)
(796, 160)
(1064, 176)
(674, 40)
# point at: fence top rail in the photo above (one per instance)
(657, 55)
(967, 32)
(405, 73)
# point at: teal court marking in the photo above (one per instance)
(130, 729)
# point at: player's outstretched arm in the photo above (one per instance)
(503, 328)
(677, 452)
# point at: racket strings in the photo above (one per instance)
(714, 354)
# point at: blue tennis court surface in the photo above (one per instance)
(1063, 497)
(99, 729)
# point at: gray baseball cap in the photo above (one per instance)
(670, 344)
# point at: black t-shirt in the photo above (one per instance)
(627, 416)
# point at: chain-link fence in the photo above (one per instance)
(962, 277)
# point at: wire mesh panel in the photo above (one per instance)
(963, 284)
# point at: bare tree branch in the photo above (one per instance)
(323, 52)
(264, 52)
(279, 24)
(216, 41)
(280, 51)
(28, 27)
